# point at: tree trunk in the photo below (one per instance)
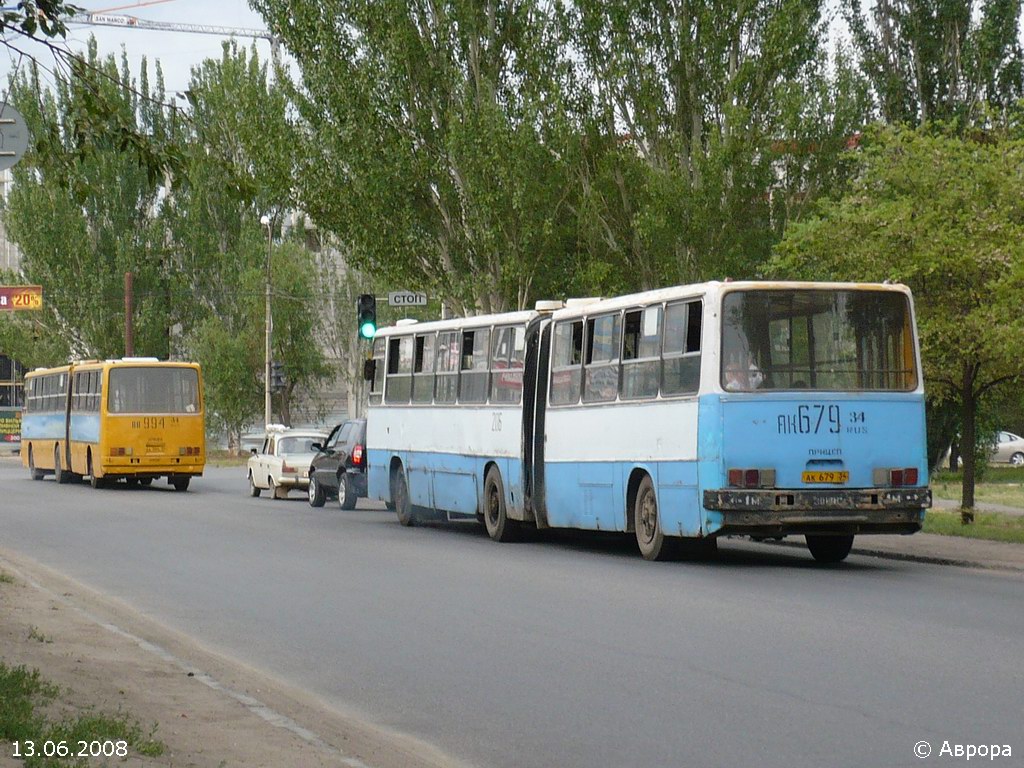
(967, 443)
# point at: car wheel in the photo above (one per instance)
(316, 493)
(1017, 459)
(829, 549)
(346, 492)
(254, 490)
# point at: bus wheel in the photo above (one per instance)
(180, 483)
(315, 492)
(346, 493)
(59, 474)
(400, 496)
(653, 544)
(499, 526)
(829, 549)
(146, 482)
(95, 482)
(254, 490)
(37, 474)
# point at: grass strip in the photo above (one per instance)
(992, 526)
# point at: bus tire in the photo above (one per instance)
(180, 483)
(496, 520)
(95, 482)
(829, 549)
(315, 493)
(36, 474)
(145, 482)
(254, 490)
(653, 544)
(400, 497)
(59, 473)
(346, 492)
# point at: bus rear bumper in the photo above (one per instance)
(780, 512)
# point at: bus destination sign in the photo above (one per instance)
(13, 297)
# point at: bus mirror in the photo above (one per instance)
(369, 369)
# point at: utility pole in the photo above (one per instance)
(129, 340)
(268, 322)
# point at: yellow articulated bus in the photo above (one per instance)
(135, 419)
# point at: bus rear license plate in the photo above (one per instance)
(832, 478)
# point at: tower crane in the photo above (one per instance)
(133, 22)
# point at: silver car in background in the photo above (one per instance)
(1009, 449)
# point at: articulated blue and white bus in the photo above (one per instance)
(758, 408)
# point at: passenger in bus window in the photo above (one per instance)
(742, 373)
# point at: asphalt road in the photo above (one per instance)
(563, 651)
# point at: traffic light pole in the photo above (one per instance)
(268, 321)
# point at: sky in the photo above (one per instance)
(177, 52)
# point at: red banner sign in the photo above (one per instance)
(21, 297)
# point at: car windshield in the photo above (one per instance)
(298, 444)
(813, 339)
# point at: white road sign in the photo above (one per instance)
(407, 299)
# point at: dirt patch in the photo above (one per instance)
(207, 710)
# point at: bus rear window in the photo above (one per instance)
(817, 339)
(153, 390)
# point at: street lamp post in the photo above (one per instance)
(267, 222)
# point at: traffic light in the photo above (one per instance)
(366, 309)
(277, 379)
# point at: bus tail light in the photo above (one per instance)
(751, 478)
(120, 451)
(191, 450)
(895, 477)
(357, 456)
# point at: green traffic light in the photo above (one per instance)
(367, 330)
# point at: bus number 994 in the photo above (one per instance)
(151, 422)
(811, 420)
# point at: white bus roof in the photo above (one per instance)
(460, 323)
(702, 289)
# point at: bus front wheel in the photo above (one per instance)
(499, 526)
(400, 496)
(653, 544)
(829, 549)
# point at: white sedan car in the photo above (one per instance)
(282, 462)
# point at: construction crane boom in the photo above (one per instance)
(133, 22)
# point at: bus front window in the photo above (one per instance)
(817, 339)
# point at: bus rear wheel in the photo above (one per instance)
(95, 482)
(36, 474)
(400, 496)
(653, 544)
(499, 526)
(60, 475)
(829, 549)
(180, 483)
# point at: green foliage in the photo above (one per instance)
(32, 17)
(943, 215)
(431, 145)
(940, 60)
(21, 691)
(82, 210)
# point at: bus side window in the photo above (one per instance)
(641, 347)
(474, 376)
(507, 365)
(377, 385)
(601, 373)
(681, 370)
(398, 385)
(423, 369)
(446, 379)
(565, 363)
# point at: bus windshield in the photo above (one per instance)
(834, 340)
(153, 390)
